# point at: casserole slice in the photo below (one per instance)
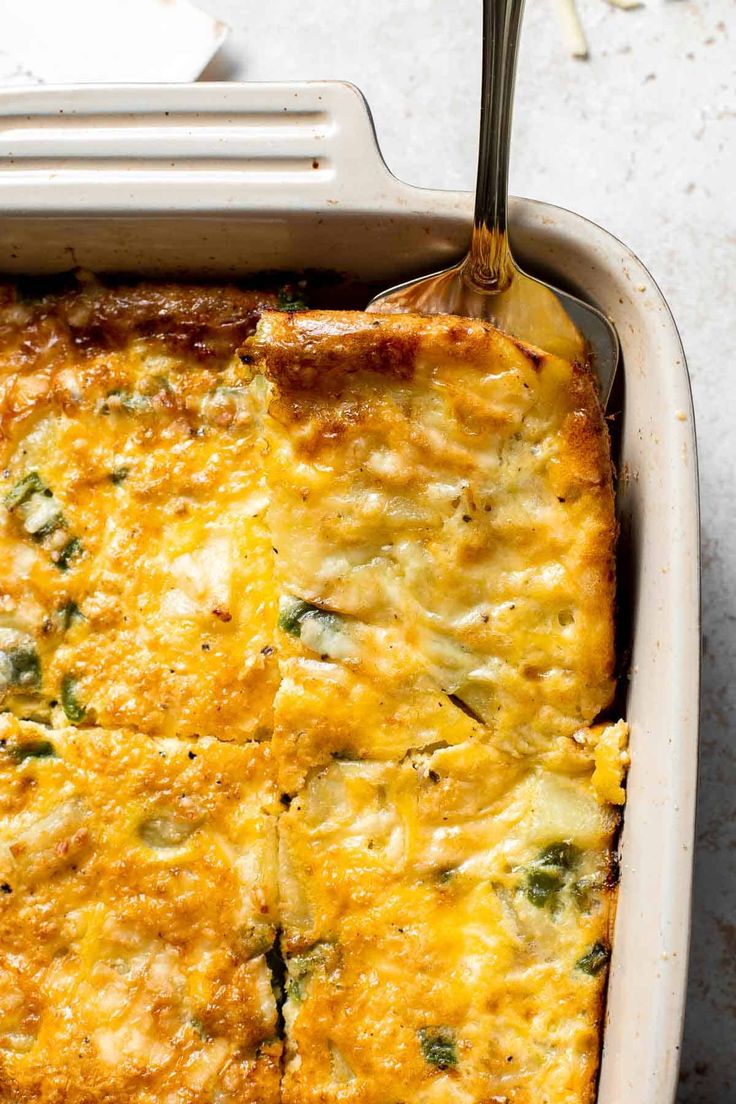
(446, 929)
(137, 908)
(136, 586)
(441, 503)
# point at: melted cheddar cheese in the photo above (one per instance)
(444, 493)
(438, 931)
(441, 506)
(304, 629)
(137, 587)
(137, 900)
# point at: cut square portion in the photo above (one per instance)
(136, 582)
(442, 508)
(446, 926)
(138, 904)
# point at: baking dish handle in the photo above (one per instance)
(111, 149)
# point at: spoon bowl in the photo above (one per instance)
(488, 283)
(530, 309)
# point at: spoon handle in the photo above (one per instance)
(489, 266)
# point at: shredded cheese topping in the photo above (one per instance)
(303, 636)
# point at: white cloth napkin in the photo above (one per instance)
(88, 41)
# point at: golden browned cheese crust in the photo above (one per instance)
(446, 493)
(305, 623)
(440, 499)
(138, 899)
(441, 940)
(137, 559)
(86, 317)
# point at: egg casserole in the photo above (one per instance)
(136, 589)
(306, 622)
(139, 900)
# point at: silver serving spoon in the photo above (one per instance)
(488, 283)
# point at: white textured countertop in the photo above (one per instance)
(642, 139)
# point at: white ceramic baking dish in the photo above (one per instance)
(228, 180)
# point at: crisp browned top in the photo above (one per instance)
(443, 485)
(307, 626)
(200, 322)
